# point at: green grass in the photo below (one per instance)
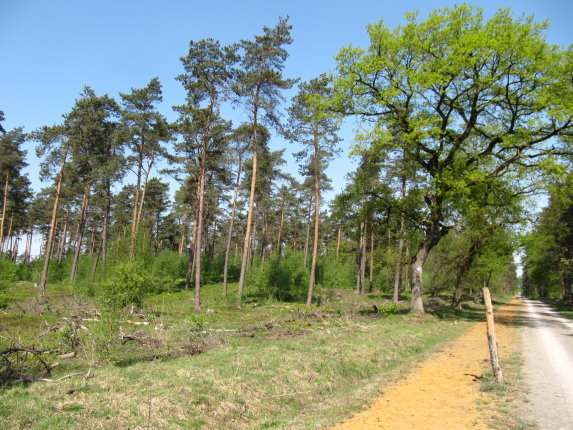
(267, 365)
(562, 307)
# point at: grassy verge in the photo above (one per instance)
(268, 365)
(562, 307)
(508, 401)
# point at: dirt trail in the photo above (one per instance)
(442, 392)
(548, 357)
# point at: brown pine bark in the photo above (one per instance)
(246, 245)
(316, 232)
(199, 237)
(371, 277)
(142, 199)
(338, 242)
(407, 271)
(280, 233)
(63, 236)
(137, 189)
(4, 206)
(363, 260)
(231, 225)
(307, 239)
(48, 247)
(6, 243)
(80, 232)
(105, 228)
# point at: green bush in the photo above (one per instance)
(169, 268)
(127, 284)
(8, 270)
(283, 278)
(333, 273)
(4, 299)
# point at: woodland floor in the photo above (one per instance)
(448, 391)
(269, 365)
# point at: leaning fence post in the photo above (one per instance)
(492, 343)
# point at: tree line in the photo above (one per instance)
(461, 119)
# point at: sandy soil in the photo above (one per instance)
(443, 391)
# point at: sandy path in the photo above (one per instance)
(442, 393)
(548, 356)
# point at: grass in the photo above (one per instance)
(268, 365)
(562, 307)
(509, 401)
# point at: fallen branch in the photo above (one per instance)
(31, 351)
(66, 356)
(59, 379)
(220, 330)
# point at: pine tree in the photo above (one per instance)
(207, 80)
(311, 125)
(258, 89)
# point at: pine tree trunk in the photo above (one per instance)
(142, 199)
(92, 243)
(407, 271)
(199, 237)
(105, 228)
(63, 236)
(4, 206)
(191, 264)
(280, 233)
(182, 240)
(371, 279)
(6, 244)
(249, 221)
(307, 240)
(316, 235)
(359, 278)
(264, 241)
(363, 261)
(80, 233)
(231, 225)
(15, 247)
(48, 248)
(137, 189)
(338, 242)
(28, 249)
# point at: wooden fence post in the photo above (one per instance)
(492, 343)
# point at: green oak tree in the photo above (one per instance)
(472, 100)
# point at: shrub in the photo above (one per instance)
(333, 273)
(283, 278)
(127, 284)
(8, 270)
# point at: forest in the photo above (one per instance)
(449, 161)
(463, 123)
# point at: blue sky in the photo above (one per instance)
(51, 49)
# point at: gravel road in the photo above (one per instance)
(548, 356)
